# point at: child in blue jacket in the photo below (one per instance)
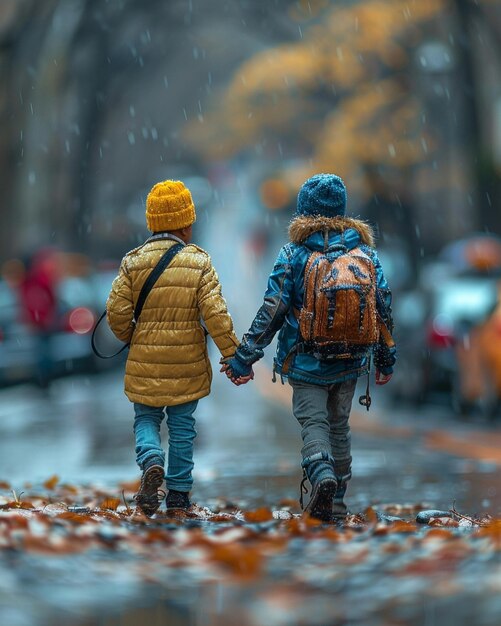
(323, 388)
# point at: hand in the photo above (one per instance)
(382, 379)
(237, 379)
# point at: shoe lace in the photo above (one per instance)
(303, 489)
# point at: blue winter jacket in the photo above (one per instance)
(284, 298)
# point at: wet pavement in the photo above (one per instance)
(247, 453)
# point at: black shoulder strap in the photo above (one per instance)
(155, 274)
(143, 294)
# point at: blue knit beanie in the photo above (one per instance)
(322, 194)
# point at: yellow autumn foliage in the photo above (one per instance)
(339, 90)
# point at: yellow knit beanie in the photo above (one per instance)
(169, 206)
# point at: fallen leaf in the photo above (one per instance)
(443, 521)
(17, 504)
(259, 515)
(111, 504)
(244, 562)
(51, 482)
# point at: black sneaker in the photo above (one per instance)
(148, 498)
(177, 500)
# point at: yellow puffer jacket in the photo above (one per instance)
(168, 362)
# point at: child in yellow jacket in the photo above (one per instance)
(168, 368)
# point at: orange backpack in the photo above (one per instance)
(339, 316)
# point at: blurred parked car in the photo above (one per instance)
(80, 300)
(449, 337)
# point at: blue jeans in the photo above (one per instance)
(181, 427)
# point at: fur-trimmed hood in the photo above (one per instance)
(304, 226)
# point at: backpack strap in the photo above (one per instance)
(154, 275)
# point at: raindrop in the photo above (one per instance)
(144, 132)
(185, 114)
(67, 145)
(131, 137)
(195, 53)
(300, 31)
(425, 145)
(392, 151)
(132, 111)
(32, 178)
(488, 198)
(166, 82)
(154, 134)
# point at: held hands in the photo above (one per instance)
(237, 371)
(382, 379)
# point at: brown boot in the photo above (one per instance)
(148, 498)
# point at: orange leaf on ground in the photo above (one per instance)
(259, 515)
(77, 518)
(402, 527)
(244, 562)
(111, 504)
(70, 488)
(51, 482)
(493, 532)
(429, 566)
(371, 516)
(439, 533)
(17, 504)
(311, 522)
(443, 521)
(158, 536)
(14, 520)
(43, 545)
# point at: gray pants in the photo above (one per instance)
(323, 413)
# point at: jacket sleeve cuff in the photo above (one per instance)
(247, 355)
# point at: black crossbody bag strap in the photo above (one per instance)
(155, 274)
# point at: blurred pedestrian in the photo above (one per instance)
(328, 297)
(39, 307)
(168, 368)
